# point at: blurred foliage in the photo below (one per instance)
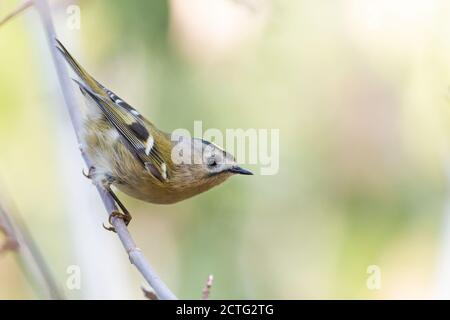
(359, 91)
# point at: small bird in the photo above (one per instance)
(133, 155)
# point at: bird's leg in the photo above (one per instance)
(107, 182)
(124, 215)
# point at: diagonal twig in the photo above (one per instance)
(206, 292)
(149, 294)
(11, 243)
(20, 8)
(135, 254)
(31, 260)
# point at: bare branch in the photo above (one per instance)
(207, 289)
(20, 8)
(30, 258)
(11, 242)
(149, 294)
(135, 254)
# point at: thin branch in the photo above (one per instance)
(30, 258)
(135, 254)
(149, 294)
(207, 289)
(20, 8)
(11, 243)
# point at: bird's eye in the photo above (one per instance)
(212, 162)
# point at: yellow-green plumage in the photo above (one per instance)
(134, 180)
(130, 153)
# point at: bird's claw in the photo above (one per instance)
(116, 214)
(89, 174)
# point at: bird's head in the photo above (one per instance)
(202, 162)
(217, 161)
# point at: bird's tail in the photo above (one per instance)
(85, 77)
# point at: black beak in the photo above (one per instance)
(239, 170)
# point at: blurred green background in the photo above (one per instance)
(358, 88)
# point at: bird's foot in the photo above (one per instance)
(126, 217)
(90, 173)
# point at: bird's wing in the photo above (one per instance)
(133, 128)
(137, 135)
